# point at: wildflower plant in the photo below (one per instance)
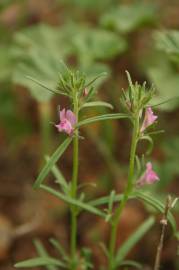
(136, 104)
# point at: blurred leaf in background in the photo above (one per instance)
(169, 168)
(128, 17)
(93, 5)
(168, 42)
(163, 72)
(166, 80)
(15, 125)
(97, 44)
(6, 65)
(37, 52)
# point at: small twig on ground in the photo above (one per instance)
(164, 223)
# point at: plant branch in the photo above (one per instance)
(164, 223)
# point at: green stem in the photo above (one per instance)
(127, 192)
(74, 192)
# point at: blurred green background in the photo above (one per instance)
(92, 36)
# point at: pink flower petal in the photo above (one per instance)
(71, 117)
(149, 118)
(149, 177)
(67, 122)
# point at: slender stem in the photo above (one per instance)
(127, 192)
(74, 191)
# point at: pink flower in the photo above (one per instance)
(67, 122)
(149, 118)
(149, 177)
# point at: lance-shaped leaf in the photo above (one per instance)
(102, 118)
(82, 205)
(54, 91)
(59, 248)
(106, 199)
(59, 176)
(132, 264)
(133, 239)
(97, 104)
(53, 159)
(151, 200)
(40, 261)
(43, 253)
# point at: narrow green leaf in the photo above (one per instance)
(43, 253)
(132, 264)
(165, 101)
(111, 200)
(41, 261)
(133, 239)
(59, 176)
(44, 86)
(102, 118)
(53, 159)
(156, 132)
(78, 203)
(96, 78)
(59, 248)
(149, 199)
(105, 200)
(97, 104)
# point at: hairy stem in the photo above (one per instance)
(127, 192)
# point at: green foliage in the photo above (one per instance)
(163, 72)
(166, 80)
(87, 258)
(75, 202)
(30, 53)
(59, 248)
(89, 4)
(158, 205)
(92, 70)
(6, 65)
(51, 162)
(129, 17)
(133, 264)
(14, 122)
(133, 239)
(103, 117)
(145, 197)
(97, 104)
(168, 42)
(6, 3)
(59, 178)
(168, 168)
(41, 261)
(73, 84)
(97, 44)
(43, 253)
